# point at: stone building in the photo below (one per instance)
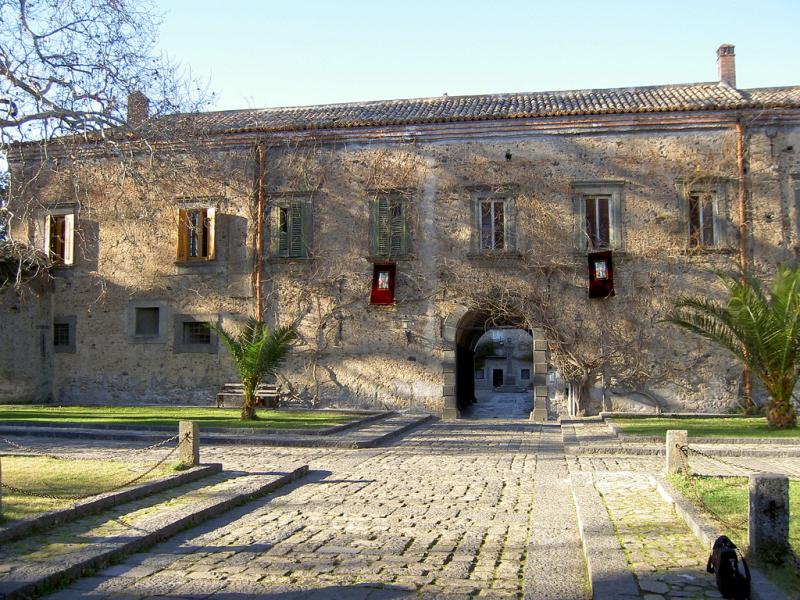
(395, 233)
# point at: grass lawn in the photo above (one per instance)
(165, 415)
(725, 501)
(63, 478)
(704, 427)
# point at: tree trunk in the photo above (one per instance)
(249, 403)
(781, 414)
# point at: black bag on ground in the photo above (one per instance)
(724, 564)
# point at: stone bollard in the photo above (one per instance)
(189, 443)
(677, 456)
(769, 516)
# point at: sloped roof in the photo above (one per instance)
(444, 109)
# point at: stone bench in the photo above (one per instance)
(267, 394)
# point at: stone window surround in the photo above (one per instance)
(718, 186)
(284, 200)
(506, 193)
(71, 322)
(43, 229)
(612, 188)
(163, 311)
(179, 347)
(191, 203)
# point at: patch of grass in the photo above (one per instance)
(43, 475)
(165, 415)
(704, 427)
(725, 501)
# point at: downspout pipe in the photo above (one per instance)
(258, 267)
(747, 378)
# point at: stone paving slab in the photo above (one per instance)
(368, 435)
(46, 559)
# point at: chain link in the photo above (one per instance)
(35, 452)
(686, 450)
(23, 492)
(738, 524)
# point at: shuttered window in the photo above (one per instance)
(196, 233)
(493, 224)
(390, 232)
(598, 215)
(59, 236)
(290, 229)
(598, 225)
(701, 219)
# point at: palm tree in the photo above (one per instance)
(257, 352)
(761, 329)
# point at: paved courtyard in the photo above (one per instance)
(466, 509)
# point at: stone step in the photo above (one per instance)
(368, 435)
(42, 561)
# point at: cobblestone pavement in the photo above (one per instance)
(444, 513)
(663, 554)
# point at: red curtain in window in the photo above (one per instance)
(601, 274)
(383, 275)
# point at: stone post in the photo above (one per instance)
(677, 456)
(189, 443)
(769, 515)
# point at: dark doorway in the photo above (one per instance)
(497, 378)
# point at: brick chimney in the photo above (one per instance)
(138, 108)
(726, 65)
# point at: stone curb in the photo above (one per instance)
(660, 451)
(609, 575)
(82, 508)
(24, 590)
(169, 428)
(391, 434)
(274, 439)
(761, 587)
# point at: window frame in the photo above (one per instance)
(505, 198)
(207, 234)
(298, 211)
(582, 191)
(180, 346)
(718, 190)
(398, 239)
(161, 337)
(69, 212)
(70, 322)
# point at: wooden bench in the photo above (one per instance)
(267, 394)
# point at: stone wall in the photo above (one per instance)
(356, 354)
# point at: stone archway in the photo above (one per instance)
(462, 328)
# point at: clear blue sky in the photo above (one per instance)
(267, 53)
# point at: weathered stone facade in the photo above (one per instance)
(410, 354)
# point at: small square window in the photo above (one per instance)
(147, 321)
(479, 374)
(60, 334)
(525, 374)
(64, 334)
(196, 332)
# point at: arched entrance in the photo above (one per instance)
(462, 330)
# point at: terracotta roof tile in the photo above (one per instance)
(667, 98)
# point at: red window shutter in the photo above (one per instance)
(601, 274)
(383, 277)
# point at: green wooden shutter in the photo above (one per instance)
(397, 226)
(382, 229)
(511, 225)
(721, 229)
(308, 229)
(295, 242)
(275, 231)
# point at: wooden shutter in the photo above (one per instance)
(579, 225)
(69, 239)
(210, 232)
(46, 235)
(308, 229)
(295, 215)
(183, 234)
(511, 225)
(721, 230)
(615, 220)
(397, 227)
(381, 229)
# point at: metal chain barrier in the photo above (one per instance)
(738, 524)
(23, 492)
(35, 452)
